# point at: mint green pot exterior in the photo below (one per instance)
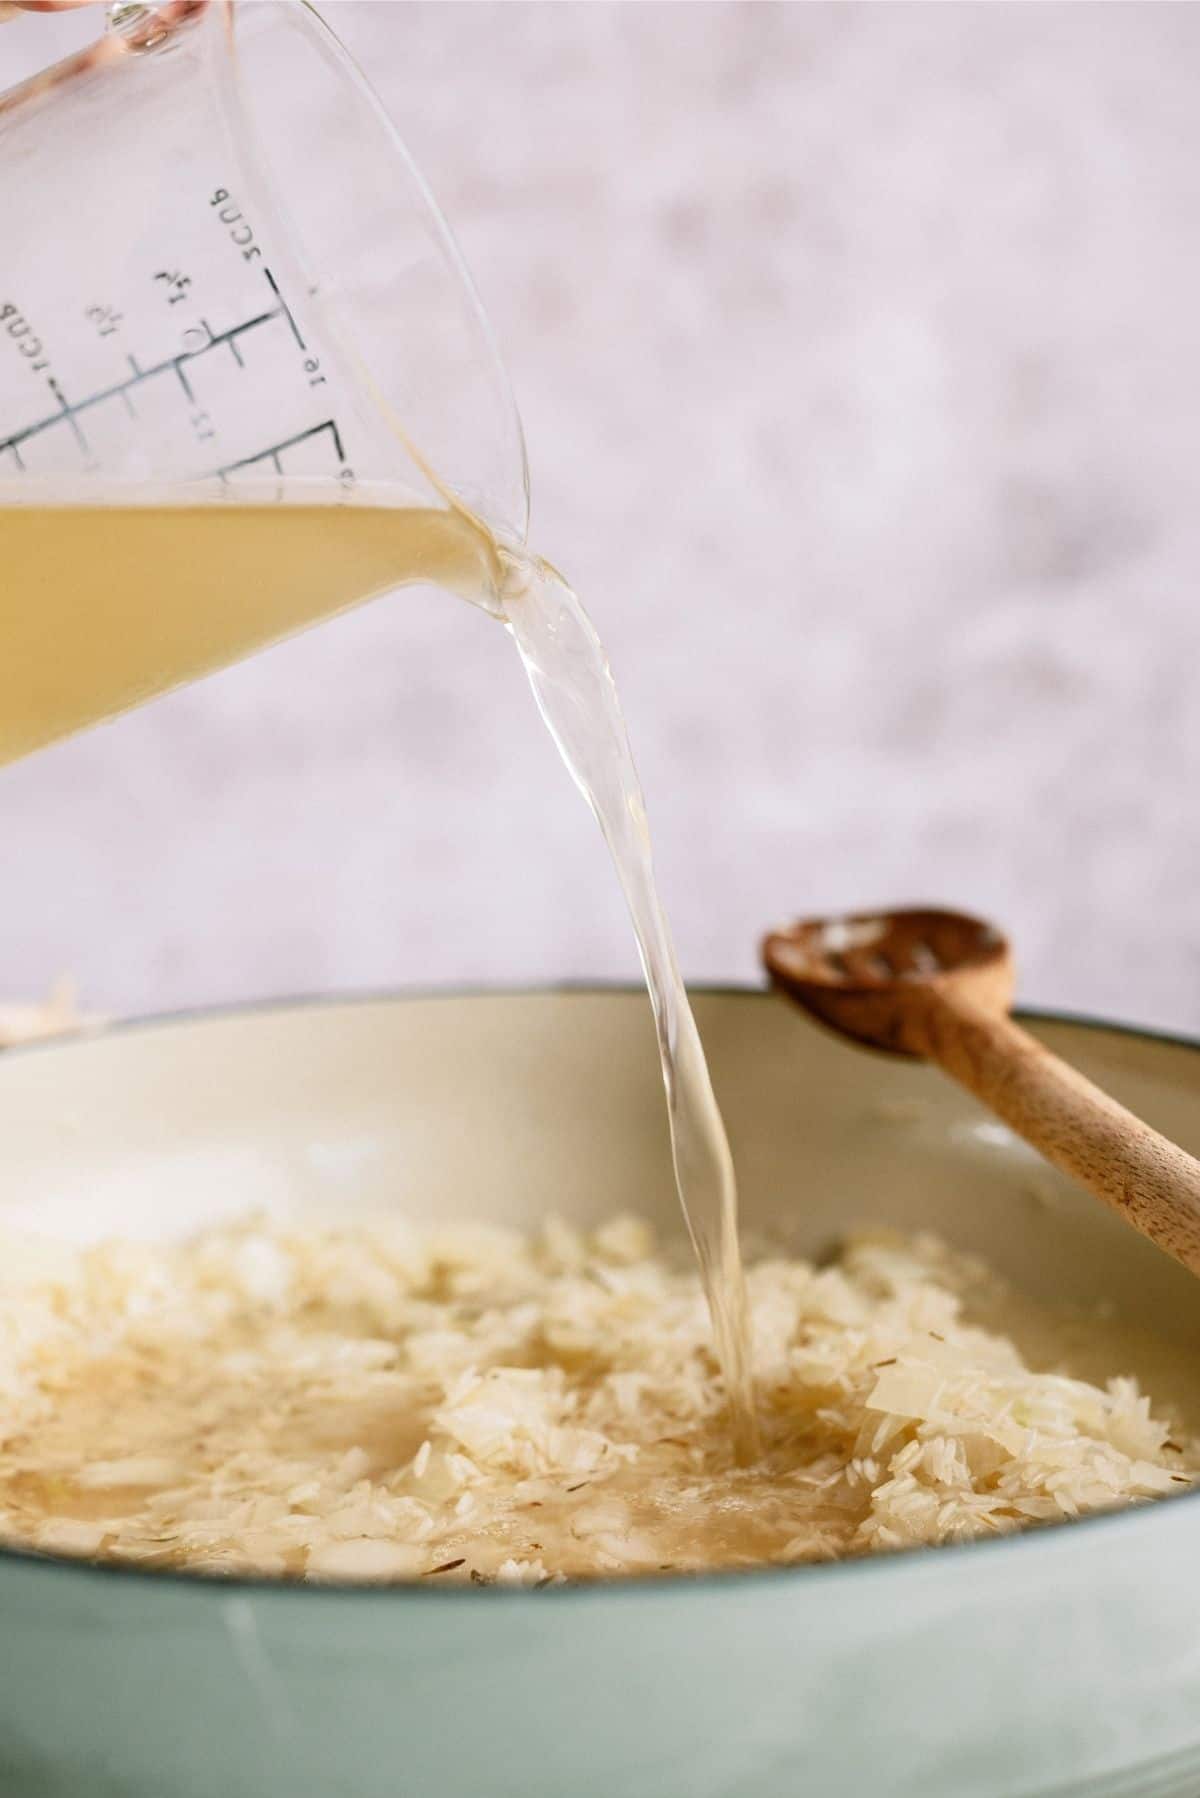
(1065, 1661)
(991, 1676)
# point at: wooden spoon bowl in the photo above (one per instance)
(862, 974)
(938, 984)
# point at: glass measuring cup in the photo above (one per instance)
(226, 287)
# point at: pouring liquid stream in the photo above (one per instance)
(575, 692)
(103, 605)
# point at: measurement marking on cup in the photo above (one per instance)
(275, 450)
(201, 422)
(70, 410)
(287, 311)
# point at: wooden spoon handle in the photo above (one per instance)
(1152, 1182)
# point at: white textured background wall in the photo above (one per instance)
(858, 349)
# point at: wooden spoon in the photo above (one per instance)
(938, 984)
